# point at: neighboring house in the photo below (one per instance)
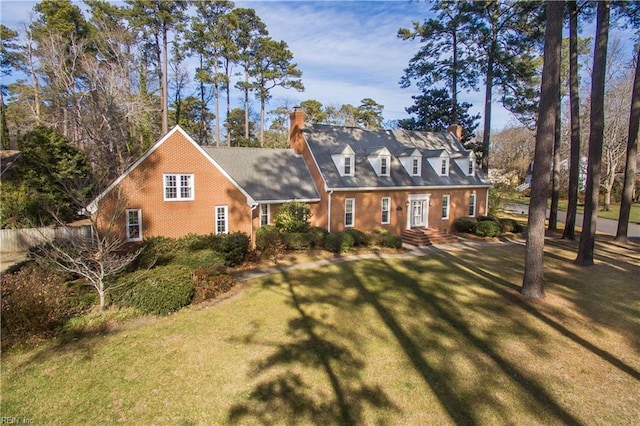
(178, 187)
(391, 179)
(350, 177)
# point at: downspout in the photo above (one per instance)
(253, 242)
(486, 203)
(329, 211)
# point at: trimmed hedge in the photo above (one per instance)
(510, 225)
(157, 291)
(269, 242)
(297, 240)
(487, 228)
(338, 242)
(465, 224)
(359, 238)
(391, 241)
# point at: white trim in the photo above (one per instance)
(400, 188)
(353, 212)
(302, 200)
(128, 224)
(178, 197)
(225, 209)
(448, 198)
(475, 204)
(382, 210)
(268, 206)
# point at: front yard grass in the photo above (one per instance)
(440, 339)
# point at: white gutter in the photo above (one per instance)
(329, 211)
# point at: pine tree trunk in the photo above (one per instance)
(574, 100)
(164, 97)
(594, 163)
(533, 279)
(486, 134)
(555, 179)
(632, 151)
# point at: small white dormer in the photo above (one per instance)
(467, 164)
(440, 162)
(344, 158)
(412, 162)
(380, 160)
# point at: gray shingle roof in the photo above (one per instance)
(323, 141)
(267, 175)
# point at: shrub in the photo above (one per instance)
(201, 258)
(376, 236)
(317, 236)
(234, 246)
(464, 224)
(487, 228)
(157, 251)
(510, 225)
(391, 241)
(210, 283)
(359, 237)
(269, 242)
(338, 242)
(297, 240)
(158, 291)
(489, 217)
(293, 216)
(36, 301)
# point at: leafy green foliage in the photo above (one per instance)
(293, 216)
(465, 224)
(487, 228)
(510, 225)
(338, 242)
(360, 239)
(157, 291)
(391, 241)
(269, 242)
(50, 181)
(298, 240)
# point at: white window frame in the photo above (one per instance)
(348, 158)
(385, 163)
(386, 221)
(130, 225)
(472, 205)
(265, 216)
(349, 209)
(471, 167)
(444, 167)
(446, 206)
(179, 179)
(415, 166)
(224, 219)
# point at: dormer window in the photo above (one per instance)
(384, 165)
(444, 167)
(348, 165)
(415, 166)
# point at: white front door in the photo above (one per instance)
(418, 211)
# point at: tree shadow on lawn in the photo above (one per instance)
(587, 302)
(290, 396)
(442, 333)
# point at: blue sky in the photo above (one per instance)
(347, 50)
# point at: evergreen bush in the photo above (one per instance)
(391, 241)
(465, 224)
(338, 242)
(293, 216)
(487, 228)
(359, 238)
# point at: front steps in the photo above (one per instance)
(422, 237)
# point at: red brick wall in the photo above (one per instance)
(143, 188)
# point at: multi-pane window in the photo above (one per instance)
(472, 205)
(415, 166)
(134, 224)
(444, 167)
(348, 165)
(445, 206)
(222, 221)
(384, 166)
(178, 187)
(471, 168)
(349, 211)
(386, 205)
(264, 214)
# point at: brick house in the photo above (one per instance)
(397, 180)
(179, 187)
(351, 178)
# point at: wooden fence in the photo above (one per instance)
(17, 240)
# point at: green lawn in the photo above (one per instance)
(441, 339)
(612, 213)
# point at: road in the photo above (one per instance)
(605, 226)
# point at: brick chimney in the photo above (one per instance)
(455, 130)
(296, 124)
